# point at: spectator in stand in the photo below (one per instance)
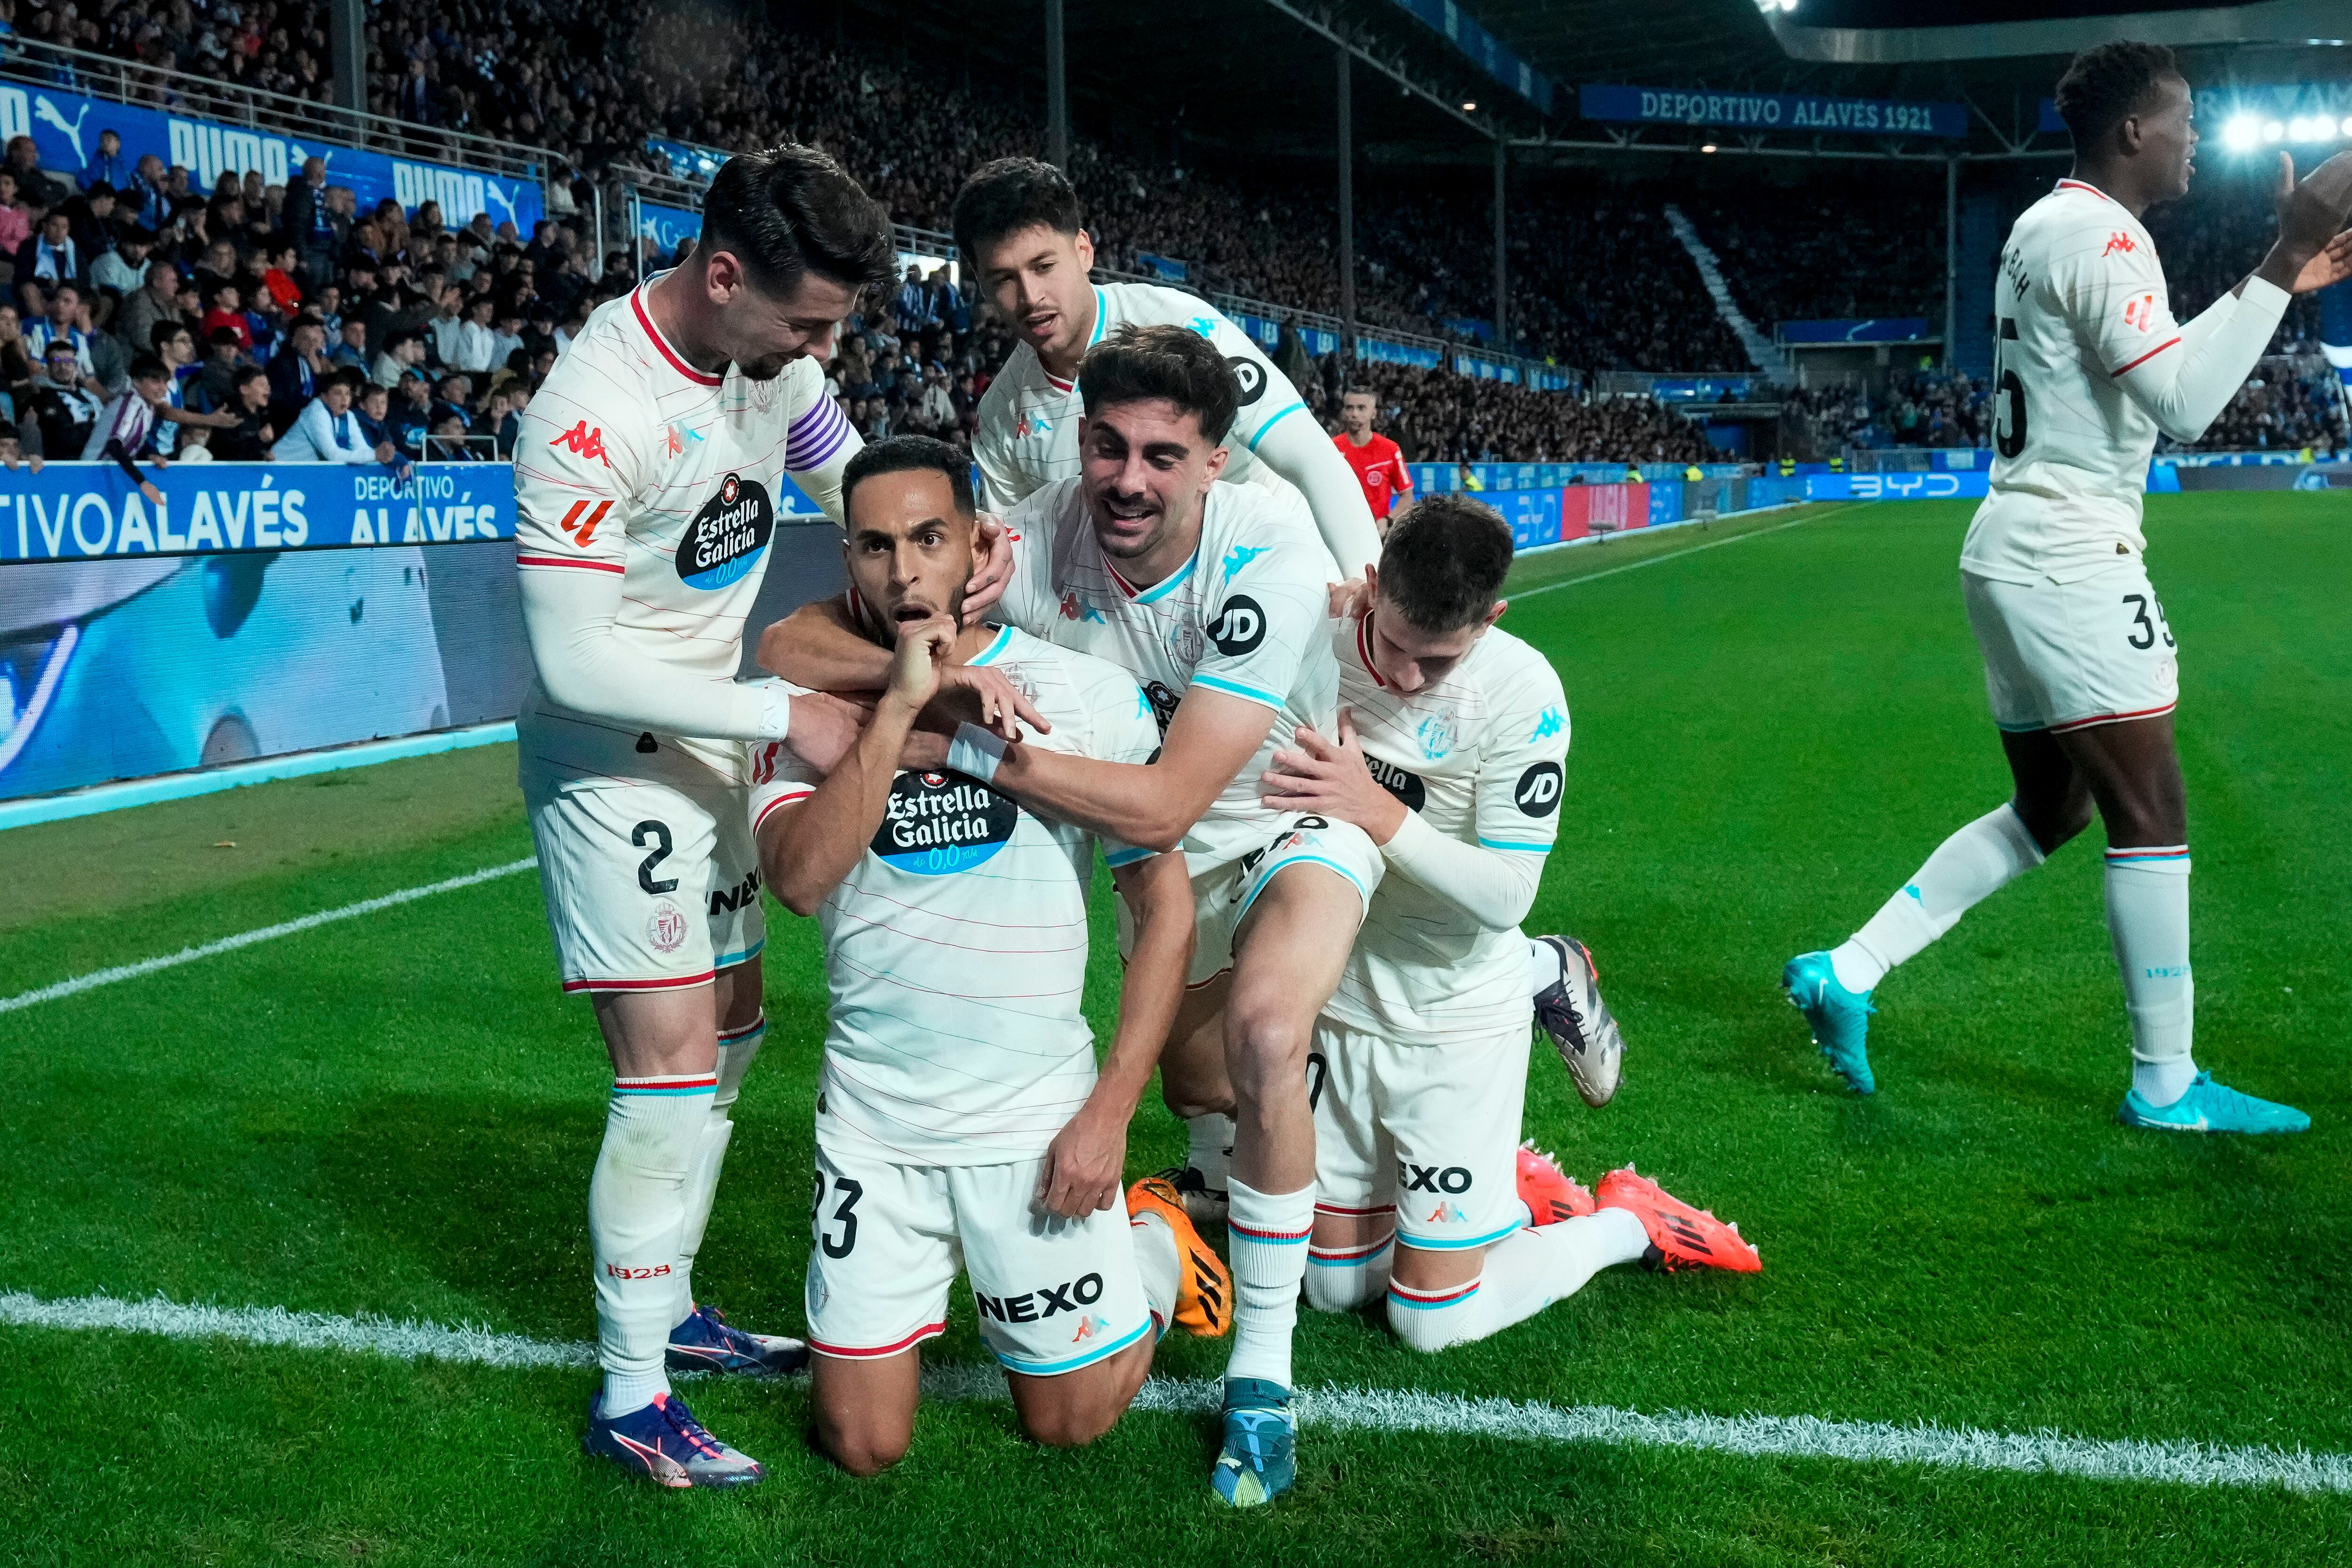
(412, 410)
(476, 340)
(56, 320)
(16, 364)
(156, 301)
(224, 357)
(15, 223)
(298, 375)
(120, 272)
(374, 411)
(149, 206)
(350, 351)
(329, 432)
(403, 351)
(277, 278)
(35, 183)
(126, 427)
(248, 437)
(419, 105)
(224, 312)
(309, 224)
(50, 256)
(58, 416)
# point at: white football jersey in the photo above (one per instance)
(1028, 434)
(2079, 302)
(1246, 616)
(633, 462)
(956, 947)
(1478, 756)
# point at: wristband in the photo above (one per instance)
(775, 711)
(975, 752)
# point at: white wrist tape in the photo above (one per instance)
(776, 711)
(975, 752)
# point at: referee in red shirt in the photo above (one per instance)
(1378, 462)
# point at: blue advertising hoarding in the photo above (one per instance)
(667, 226)
(65, 125)
(1487, 52)
(1773, 111)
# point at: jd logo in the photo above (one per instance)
(1537, 794)
(1249, 378)
(1239, 627)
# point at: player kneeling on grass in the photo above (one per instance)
(960, 1119)
(1448, 755)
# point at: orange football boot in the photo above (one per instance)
(1548, 1192)
(1204, 1289)
(1680, 1235)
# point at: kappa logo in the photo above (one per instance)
(1551, 723)
(1241, 555)
(2139, 314)
(671, 444)
(1088, 1327)
(1075, 609)
(1030, 424)
(2121, 241)
(583, 442)
(1447, 1213)
(583, 528)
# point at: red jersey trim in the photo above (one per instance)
(868, 1352)
(577, 565)
(1364, 652)
(677, 363)
(2144, 358)
(682, 983)
(2082, 185)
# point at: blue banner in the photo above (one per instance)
(667, 226)
(686, 159)
(1876, 330)
(2336, 328)
(65, 125)
(1487, 52)
(1167, 269)
(1774, 111)
(91, 511)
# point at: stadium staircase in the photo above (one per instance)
(1762, 352)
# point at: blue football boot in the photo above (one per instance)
(665, 1444)
(1260, 1458)
(2207, 1107)
(707, 1341)
(1840, 1019)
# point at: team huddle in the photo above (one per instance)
(1164, 630)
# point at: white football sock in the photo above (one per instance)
(1211, 1150)
(737, 1051)
(1543, 967)
(1157, 1260)
(1342, 1279)
(1526, 1271)
(636, 1217)
(1267, 1234)
(1970, 865)
(2148, 916)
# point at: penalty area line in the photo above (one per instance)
(1677, 554)
(91, 982)
(1337, 1409)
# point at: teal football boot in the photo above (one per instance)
(1840, 1019)
(2207, 1107)
(1260, 1458)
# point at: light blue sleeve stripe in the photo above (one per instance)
(1454, 1244)
(1270, 424)
(1507, 844)
(1236, 688)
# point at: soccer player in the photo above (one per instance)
(960, 1120)
(1448, 754)
(1378, 461)
(1018, 227)
(2079, 661)
(645, 475)
(1215, 601)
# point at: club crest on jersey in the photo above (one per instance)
(1436, 735)
(1406, 786)
(728, 536)
(936, 823)
(666, 927)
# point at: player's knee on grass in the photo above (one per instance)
(1077, 1408)
(863, 1424)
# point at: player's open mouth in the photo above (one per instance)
(907, 615)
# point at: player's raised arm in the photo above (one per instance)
(1275, 424)
(575, 481)
(810, 841)
(1212, 738)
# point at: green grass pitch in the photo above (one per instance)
(396, 1115)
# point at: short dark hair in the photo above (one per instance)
(223, 338)
(247, 374)
(1007, 196)
(906, 455)
(791, 211)
(2104, 85)
(164, 331)
(1174, 363)
(1444, 562)
(147, 367)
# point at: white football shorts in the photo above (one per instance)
(1431, 1132)
(2067, 655)
(650, 887)
(1222, 896)
(1053, 1294)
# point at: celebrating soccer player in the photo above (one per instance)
(1448, 754)
(2079, 659)
(646, 477)
(960, 1119)
(1018, 227)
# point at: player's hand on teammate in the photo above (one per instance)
(980, 694)
(995, 573)
(825, 727)
(1349, 598)
(2311, 221)
(923, 646)
(1332, 779)
(1084, 1163)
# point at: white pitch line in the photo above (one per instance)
(81, 982)
(1678, 555)
(1345, 1409)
